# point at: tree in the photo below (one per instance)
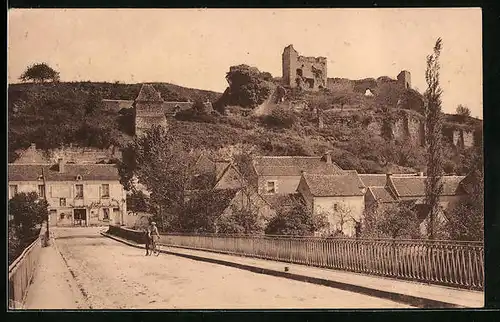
(281, 118)
(240, 221)
(248, 87)
(433, 122)
(161, 164)
(137, 202)
(39, 72)
(463, 111)
(465, 221)
(28, 212)
(297, 220)
(399, 221)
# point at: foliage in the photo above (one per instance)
(280, 117)
(161, 165)
(433, 114)
(297, 220)
(137, 202)
(39, 72)
(398, 220)
(466, 220)
(463, 110)
(248, 87)
(240, 221)
(27, 212)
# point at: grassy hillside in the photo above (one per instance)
(51, 114)
(63, 113)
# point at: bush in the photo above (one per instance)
(280, 117)
(296, 220)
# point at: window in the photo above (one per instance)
(41, 191)
(336, 207)
(271, 187)
(78, 177)
(12, 190)
(106, 213)
(61, 216)
(79, 191)
(105, 190)
(62, 202)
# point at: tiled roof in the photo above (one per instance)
(31, 172)
(148, 94)
(280, 201)
(382, 194)
(373, 180)
(415, 186)
(334, 185)
(293, 166)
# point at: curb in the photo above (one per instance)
(418, 302)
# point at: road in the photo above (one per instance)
(112, 275)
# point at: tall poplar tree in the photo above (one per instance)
(433, 122)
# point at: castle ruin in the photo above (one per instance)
(303, 72)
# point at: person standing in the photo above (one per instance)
(155, 235)
(148, 239)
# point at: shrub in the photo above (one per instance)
(280, 117)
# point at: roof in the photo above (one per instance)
(280, 201)
(382, 194)
(32, 172)
(293, 166)
(373, 180)
(148, 94)
(415, 186)
(334, 185)
(32, 155)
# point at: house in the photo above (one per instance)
(78, 194)
(281, 174)
(338, 196)
(385, 190)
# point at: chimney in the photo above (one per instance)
(328, 157)
(60, 161)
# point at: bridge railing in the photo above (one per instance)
(22, 269)
(453, 263)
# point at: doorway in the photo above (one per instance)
(80, 217)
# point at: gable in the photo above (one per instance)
(230, 179)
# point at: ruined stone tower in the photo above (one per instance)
(404, 78)
(299, 71)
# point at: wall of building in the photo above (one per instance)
(92, 200)
(292, 62)
(325, 205)
(284, 184)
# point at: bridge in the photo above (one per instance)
(86, 268)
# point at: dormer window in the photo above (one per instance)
(78, 177)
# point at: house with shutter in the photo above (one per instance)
(78, 194)
(338, 196)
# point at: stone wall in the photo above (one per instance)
(307, 72)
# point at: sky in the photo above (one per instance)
(196, 47)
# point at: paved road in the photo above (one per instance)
(115, 276)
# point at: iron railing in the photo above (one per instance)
(452, 263)
(21, 271)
